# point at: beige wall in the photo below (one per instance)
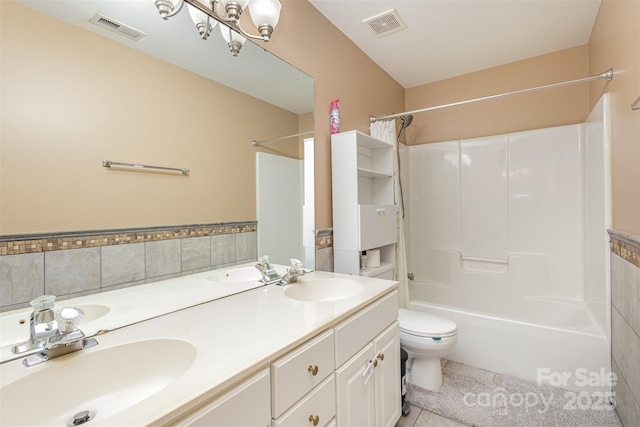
(305, 39)
(71, 99)
(39, 130)
(308, 41)
(554, 107)
(615, 43)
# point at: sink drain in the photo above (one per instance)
(81, 418)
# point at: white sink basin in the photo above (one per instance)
(14, 329)
(237, 274)
(323, 290)
(103, 382)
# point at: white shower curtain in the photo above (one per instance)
(386, 131)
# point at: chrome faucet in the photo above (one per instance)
(66, 339)
(293, 273)
(42, 324)
(269, 274)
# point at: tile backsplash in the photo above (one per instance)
(625, 324)
(83, 263)
(324, 249)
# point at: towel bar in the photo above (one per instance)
(109, 163)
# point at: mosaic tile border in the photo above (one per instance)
(626, 246)
(324, 238)
(24, 244)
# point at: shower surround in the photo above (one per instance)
(507, 237)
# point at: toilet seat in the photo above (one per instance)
(426, 325)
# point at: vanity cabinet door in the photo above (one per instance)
(355, 332)
(387, 377)
(368, 384)
(354, 392)
(246, 405)
(295, 374)
(318, 408)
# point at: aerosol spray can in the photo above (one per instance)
(335, 116)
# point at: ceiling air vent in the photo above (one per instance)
(117, 27)
(385, 23)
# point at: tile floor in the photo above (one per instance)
(419, 417)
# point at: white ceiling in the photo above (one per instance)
(444, 38)
(448, 38)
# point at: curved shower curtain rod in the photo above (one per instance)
(607, 75)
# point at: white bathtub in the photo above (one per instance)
(533, 350)
(506, 235)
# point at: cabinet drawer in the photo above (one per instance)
(354, 333)
(321, 403)
(295, 374)
(231, 408)
(378, 225)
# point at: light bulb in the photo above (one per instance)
(233, 39)
(234, 8)
(241, 3)
(265, 12)
(203, 22)
(168, 8)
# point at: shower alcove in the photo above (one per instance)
(507, 236)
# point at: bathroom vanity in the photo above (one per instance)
(265, 356)
(323, 381)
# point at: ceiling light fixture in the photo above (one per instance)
(205, 14)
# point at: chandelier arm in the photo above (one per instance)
(210, 13)
(232, 23)
(176, 9)
(247, 35)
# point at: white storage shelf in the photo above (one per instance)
(370, 173)
(378, 271)
(364, 210)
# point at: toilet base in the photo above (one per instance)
(426, 373)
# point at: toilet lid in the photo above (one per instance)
(425, 324)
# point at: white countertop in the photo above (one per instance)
(131, 305)
(233, 336)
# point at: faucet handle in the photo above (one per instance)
(68, 319)
(264, 260)
(296, 264)
(44, 302)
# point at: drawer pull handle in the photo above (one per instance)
(314, 420)
(375, 363)
(313, 370)
(381, 356)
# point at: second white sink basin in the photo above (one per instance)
(323, 290)
(103, 382)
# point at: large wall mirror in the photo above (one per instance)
(75, 93)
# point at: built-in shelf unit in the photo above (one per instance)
(364, 211)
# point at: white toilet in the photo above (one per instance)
(426, 338)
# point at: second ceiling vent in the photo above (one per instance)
(117, 27)
(385, 23)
